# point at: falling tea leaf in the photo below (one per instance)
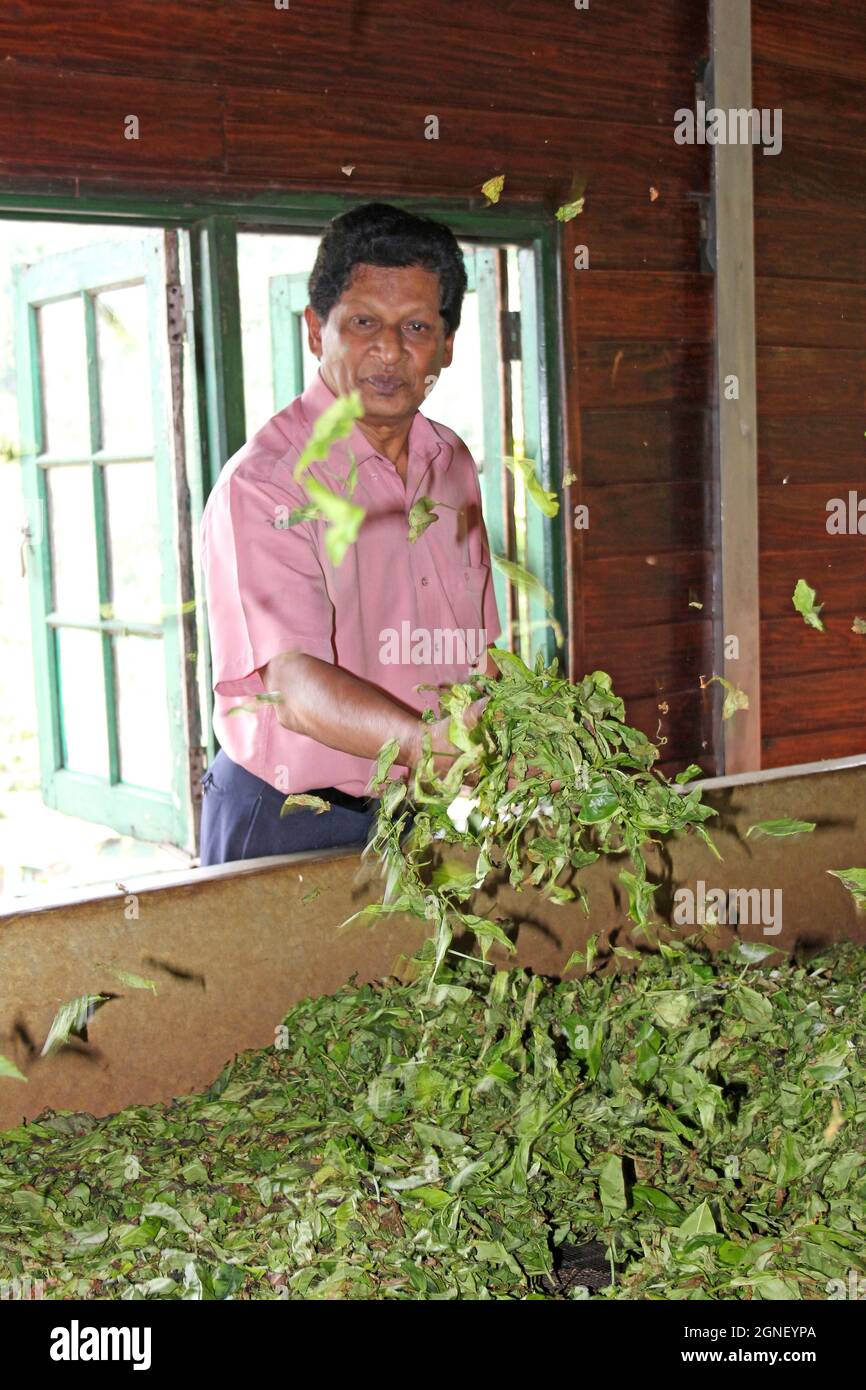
(855, 881)
(781, 828)
(546, 502)
(570, 210)
(71, 1020)
(735, 699)
(492, 188)
(804, 602)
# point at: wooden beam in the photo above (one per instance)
(735, 408)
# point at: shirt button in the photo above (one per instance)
(424, 580)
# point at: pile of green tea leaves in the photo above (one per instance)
(557, 779)
(704, 1119)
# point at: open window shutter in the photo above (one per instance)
(110, 621)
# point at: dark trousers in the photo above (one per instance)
(240, 817)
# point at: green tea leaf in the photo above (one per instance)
(781, 828)
(126, 977)
(492, 188)
(387, 757)
(611, 1185)
(546, 502)
(570, 210)
(804, 602)
(253, 706)
(735, 699)
(689, 773)
(855, 881)
(522, 579)
(699, 1222)
(303, 799)
(306, 513)
(71, 1020)
(421, 515)
(344, 519)
(335, 423)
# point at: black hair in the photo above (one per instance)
(383, 235)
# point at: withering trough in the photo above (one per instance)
(231, 948)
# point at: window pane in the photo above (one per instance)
(66, 414)
(124, 370)
(82, 702)
(73, 541)
(143, 733)
(456, 399)
(261, 256)
(133, 529)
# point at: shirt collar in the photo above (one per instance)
(424, 440)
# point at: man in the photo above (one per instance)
(330, 640)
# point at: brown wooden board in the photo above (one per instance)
(646, 446)
(646, 660)
(805, 312)
(645, 518)
(794, 516)
(810, 381)
(825, 176)
(818, 108)
(175, 39)
(297, 139)
(839, 578)
(629, 591)
(793, 242)
(644, 306)
(612, 375)
(805, 704)
(788, 644)
(646, 233)
(811, 448)
(818, 35)
(74, 122)
(791, 750)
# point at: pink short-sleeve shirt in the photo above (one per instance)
(399, 614)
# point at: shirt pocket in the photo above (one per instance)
(466, 589)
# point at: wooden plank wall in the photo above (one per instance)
(235, 95)
(809, 58)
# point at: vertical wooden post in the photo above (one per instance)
(735, 408)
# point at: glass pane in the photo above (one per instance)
(124, 370)
(73, 541)
(143, 733)
(133, 530)
(82, 702)
(261, 256)
(456, 399)
(66, 414)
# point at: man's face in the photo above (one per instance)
(384, 337)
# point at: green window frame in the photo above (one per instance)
(81, 275)
(208, 230)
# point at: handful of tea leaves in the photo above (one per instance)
(557, 779)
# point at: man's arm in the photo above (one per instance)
(344, 712)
